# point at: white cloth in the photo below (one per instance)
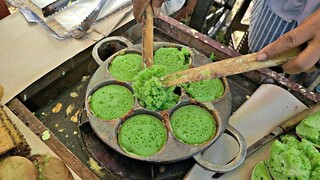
(171, 6)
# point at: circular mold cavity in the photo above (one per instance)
(107, 49)
(142, 135)
(192, 124)
(175, 58)
(111, 101)
(125, 65)
(205, 91)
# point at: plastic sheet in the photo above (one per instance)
(77, 12)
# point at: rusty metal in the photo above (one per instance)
(206, 45)
(107, 131)
(127, 168)
(173, 149)
(193, 38)
(315, 97)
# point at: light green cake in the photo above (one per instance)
(261, 171)
(126, 67)
(111, 102)
(150, 91)
(289, 159)
(205, 91)
(192, 124)
(142, 135)
(309, 128)
(174, 59)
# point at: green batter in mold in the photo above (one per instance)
(126, 67)
(149, 89)
(111, 102)
(309, 128)
(142, 135)
(174, 59)
(292, 159)
(192, 124)
(205, 91)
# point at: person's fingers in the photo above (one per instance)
(287, 41)
(305, 61)
(156, 5)
(138, 9)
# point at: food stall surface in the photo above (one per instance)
(58, 102)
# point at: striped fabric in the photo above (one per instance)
(265, 26)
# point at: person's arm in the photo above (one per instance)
(140, 5)
(307, 32)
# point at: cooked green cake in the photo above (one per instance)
(261, 171)
(309, 128)
(142, 135)
(111, 102)
(126, 67)
(205, 91)
(174, 59)
(292, 159)
(149, 89)
(192, 124)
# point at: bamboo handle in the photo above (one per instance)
(147, 36)
(296, 119)
(227, 67)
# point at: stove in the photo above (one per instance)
(126, 167)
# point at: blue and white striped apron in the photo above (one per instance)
(265, 26)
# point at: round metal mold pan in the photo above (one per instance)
(173, 150)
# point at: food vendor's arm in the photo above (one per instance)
(307, 32)
(140, 5)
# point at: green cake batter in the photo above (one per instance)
(309, 128)
(192, 124)
(126, 67)
(174, 59)
(142, 135)
(150, 91)
(205, 91)
(111, 102)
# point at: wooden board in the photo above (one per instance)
(36, 145)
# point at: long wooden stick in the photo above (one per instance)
(147, 36)
(227, 67)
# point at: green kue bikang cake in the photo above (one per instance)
(291, 159)
(126, 67)
(142, 135)
(174, 59)
(192, 124)
(205, 91)
(111, 102)
(309, 128)
(149, 89)
(261, 171)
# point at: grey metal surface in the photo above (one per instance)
(173, 150)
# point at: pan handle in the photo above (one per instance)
(232, 164)
(103, 44)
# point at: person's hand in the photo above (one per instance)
(307, 32)
(140, 5)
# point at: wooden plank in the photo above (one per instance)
(53, 142)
